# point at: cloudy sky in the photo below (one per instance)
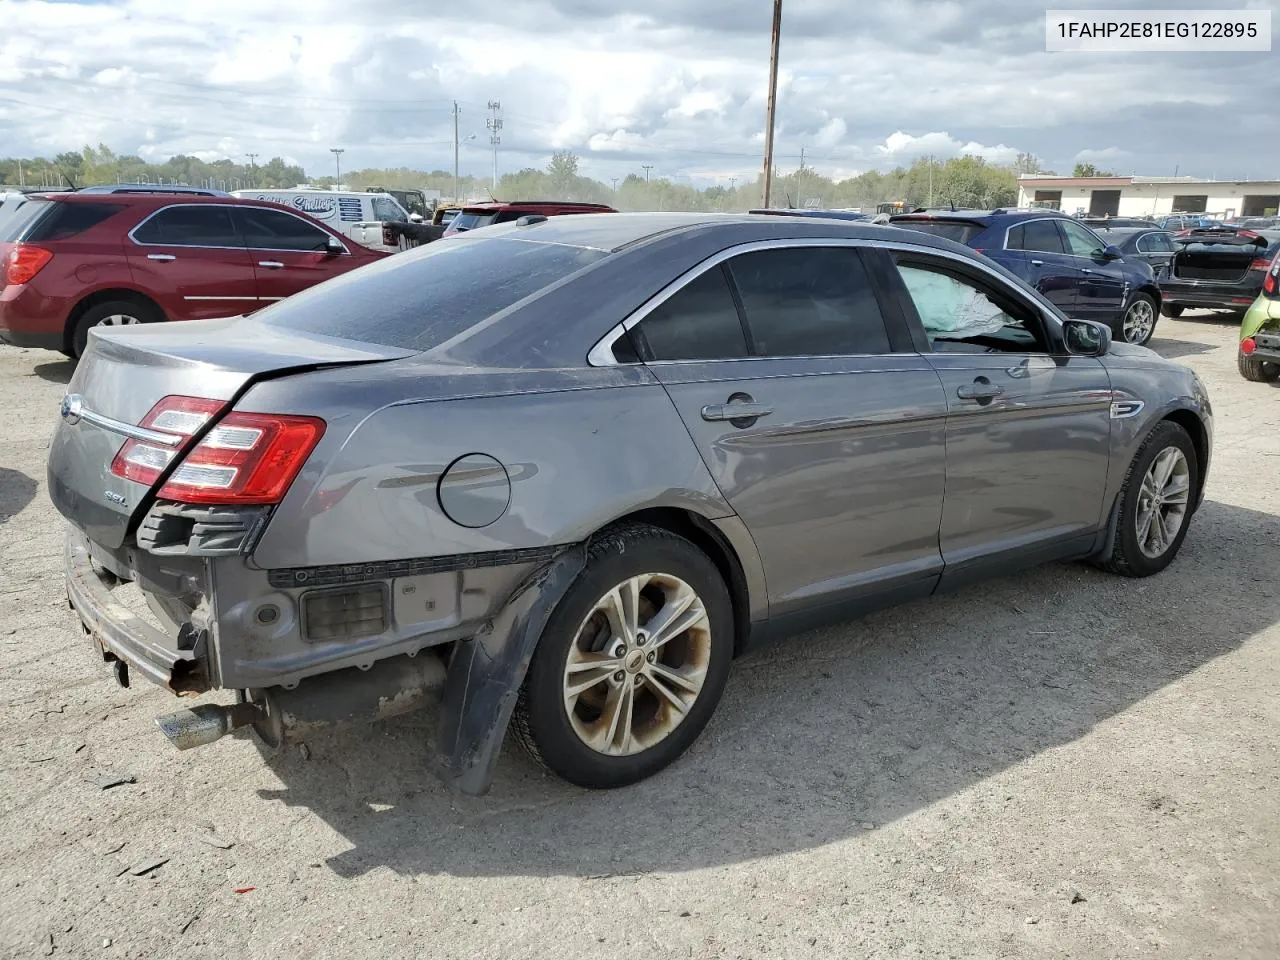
(678, 84)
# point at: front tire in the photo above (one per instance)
(1258, 371)
(1139, 321)
(111, 313)
(632, 662)
(1156, 503)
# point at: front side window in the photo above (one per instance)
(1080, 241)
(961, 316)
(1036, 236)
(809, 302)
(190, 226)
(698, 322)
(277, 230)
(1155, 243)
(386, 210)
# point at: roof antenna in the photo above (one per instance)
(71, 183)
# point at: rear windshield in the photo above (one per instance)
(16, 214)
(957, 230)
(420, 299)
(68, 219)
(469, 221)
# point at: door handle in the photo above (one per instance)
(981, 390)
(1085, 270)
(735, 410)
(271, 264)
(1037, 263)
(162, 257)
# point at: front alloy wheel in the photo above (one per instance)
(1162, 502)
(1139, 321)
(637, 664)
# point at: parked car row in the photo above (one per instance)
(556, 474)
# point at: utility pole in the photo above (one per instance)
(455, 150)
(253, 174)
(615, 184)
(494, 123)
(773, 100)
(930, 201)
(800, 180)
(337, 164)
(22, 182)
(647, 168)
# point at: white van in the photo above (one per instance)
(359, 216)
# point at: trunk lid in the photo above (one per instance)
(127, 370)
(1221, 255)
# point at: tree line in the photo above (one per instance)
(966, 181)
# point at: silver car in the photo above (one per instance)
(555, 477)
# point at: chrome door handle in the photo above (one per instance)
(1037, 263)
(163, 257)
(979, 390)
(737, 410)
(1085, 270)
(271, 264)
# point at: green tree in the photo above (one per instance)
(1089, 170)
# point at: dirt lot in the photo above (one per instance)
(1060, 764)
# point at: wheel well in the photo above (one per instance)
(1153, 292)
(703, 535)
(103, 296)
(1189, 422)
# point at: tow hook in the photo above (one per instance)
(203, 724)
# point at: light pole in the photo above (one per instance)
(773, 100)
(647, 168)
(615, 184)
(337, 164)
(253, 170)
(494, 124)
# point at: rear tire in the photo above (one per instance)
(1172, 310)
(1258, 371)
(605, 706)
(1156, 504)
(112, 313)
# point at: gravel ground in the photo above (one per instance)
(1057, 764)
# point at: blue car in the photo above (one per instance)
(1086, 276)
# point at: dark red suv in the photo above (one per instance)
(70, 261)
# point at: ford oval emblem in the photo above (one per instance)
(72, 407)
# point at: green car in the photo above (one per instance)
(1259, 355)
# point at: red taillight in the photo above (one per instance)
(23, 262)
(182, 417)
(246, 458)
(1247, 345)
(1269, 282)
(389, 235)
(1262, 263)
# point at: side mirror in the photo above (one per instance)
(334, 246)
(415, 218)
(1086, 338)
(1111, 252)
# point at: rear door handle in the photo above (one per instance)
(1085, 270)
(1037, 263)
(737, 410)
(980, 391)
(271, 264)
(163, 257)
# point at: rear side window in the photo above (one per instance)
(1155, 243)
(276, 230)
(700, 322)
(470, 221)
(809, 302)
(1036, 236)
(68, 219)
(420, 299)
(207, 225)
(956, 230)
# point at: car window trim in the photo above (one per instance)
(601, 354)
(275, 208)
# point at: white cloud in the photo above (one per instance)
(903, 148)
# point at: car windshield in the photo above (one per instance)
(419, 300)
(961, 231)
(16, 213)
(469, 221)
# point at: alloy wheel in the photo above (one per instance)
(1139, 320)
(1163, 501)
(637, 664)
(118, 320)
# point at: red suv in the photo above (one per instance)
(482, 214)
(70, 261)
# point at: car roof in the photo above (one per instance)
(153, 189)
(807, 212)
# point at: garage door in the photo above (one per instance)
(1260, 205)
(1104, 203)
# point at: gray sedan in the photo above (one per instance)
(556, 477)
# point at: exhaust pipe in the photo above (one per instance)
(203, 724)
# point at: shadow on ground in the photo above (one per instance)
(1173, 349)
(56, 371)
(16, 491)
(823, 733)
